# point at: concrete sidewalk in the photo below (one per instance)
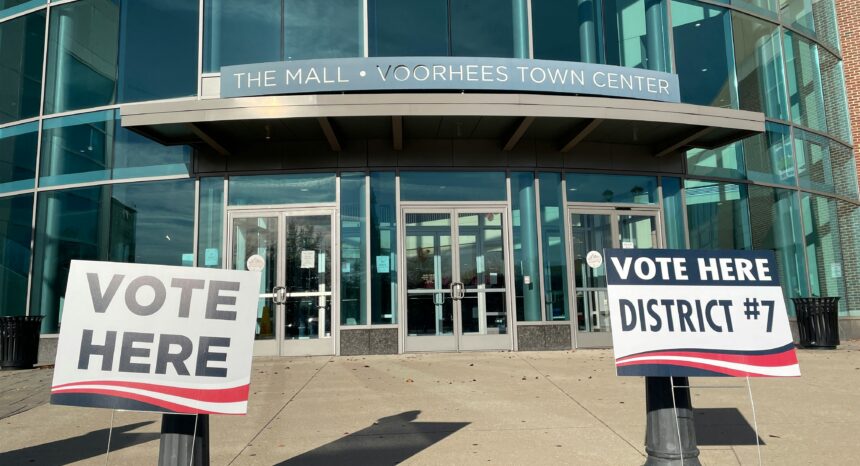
(545, 408)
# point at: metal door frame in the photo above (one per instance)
(583, 339)
(280, 346)
(458, 341)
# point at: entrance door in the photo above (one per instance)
(455, 267)
(294, 316)
(595, 230)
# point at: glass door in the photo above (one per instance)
(455, 267)
(294, 315)
(595, 230)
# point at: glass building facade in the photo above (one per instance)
(385, 248)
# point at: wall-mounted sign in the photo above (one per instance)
(698, 313)
(594, 259)
(156, 338)
(255, 263)
(446, 73)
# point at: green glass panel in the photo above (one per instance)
(383, 248)
(353, 249)
(157, 49)
(83, 44)
(813, 161)
(596, 187)
(552, 245)
(835, 100)
(849, 232)
(769, 157)
(18, 156)
(16, 230)
(408, 28)
(724, 162)
(806, 99)
(211, 223)
(526, 243)
(758, 58)
(148, 223)
(323, 29)
(566, 30)
(453, 186)
(823, 247)
(94, 147)
(22, 43)
(485, 28)
(299, 188)
(717, 215)
(797, 13)
(13, 7)
(636, 34)
(703, 57)
(673, 213)
(768, 8)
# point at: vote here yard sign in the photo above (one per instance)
(156, 338)
(698, 313)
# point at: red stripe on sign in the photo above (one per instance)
(698, 365)
(785, 358)
(217, 395)
(168, 406)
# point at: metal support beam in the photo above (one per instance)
(683, 142)
(518, 133)
(397, 132)
(330, 135)
(208, 139)
(582, 134)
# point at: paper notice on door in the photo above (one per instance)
(382, 264)
(494, 278)
(321, 263)
(211, 257)
(627, 245)
(480, 264)
(308, 259)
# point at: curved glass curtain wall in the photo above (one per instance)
(792, 189)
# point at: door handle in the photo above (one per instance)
(458, 291)
(280, 293)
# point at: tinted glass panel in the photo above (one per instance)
(705, 70)
(636, 34)
(22, 46)
(595, 187)
(725, 162)
(158, 49)
(282, 189)
(717, 215)
(673, 213)
(758, 58)
(452, 186)
(408, 28)
(383, 248)
(566, 30)
(16, 215)
(806, 100)
(82, 55)
(353, 247)
(769, 157)
(18, 156)
(526, 261)
(552, 243)
(94, 146)
(813, 161)
(486, 28)
(797, 13)
(849, 225)
(823, 251)
(323, 29)
(151, 223)
(211, 227)
(11, 7)
(833, 88)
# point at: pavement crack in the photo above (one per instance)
(569, 396)
(278, 413)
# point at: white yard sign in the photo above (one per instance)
(156, 338)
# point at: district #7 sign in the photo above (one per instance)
(156, 338)
(698, 313)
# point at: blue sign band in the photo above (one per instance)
(446, 73)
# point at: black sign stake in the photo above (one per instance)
(664, 428)
(184, 440)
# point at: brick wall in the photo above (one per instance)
(848, 19)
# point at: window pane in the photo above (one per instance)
(22, 42)
(766, 7)
(797, 13)
(526, 262)
(806, 100)
(16, 215)
(488, 28)
(673, 213)
(552, 244)
(211, 227)
(148, 223)
(453, 186)
(408, 28)
(383, 248)
(82, 55)
(702, 36)
(775, 214)
(823, 250)
(835, 101)
(725, 162)
(94, 146)
(717, 215)
(229, 24)
(595, 187)
(565, 30)
(158, 49)
(11, 7)
(282, 189)
(849, 231)
(824, 17)
(18, 156)
(813, 161)
(758, 58)
(636, 34)
(353, 279)
(769, 157)
(323, 29)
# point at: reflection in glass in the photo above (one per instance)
(555, 23)
(769, 157)
(552, 246)
(16, 213)
(408, 28)
(482, 272)
(294, 188)
(453, 186)
(259, 236)
(702, 35)
(383, 248)
(23, 42)
(806, 99)
(308, 276)
(265, 329)
(758, 55)
(307, 317)
(637, 232)
(18, 156)
(717, 215)
(636, 34)
(428, 267)
(724, 162)
(673, 213)
(211, 222)
(353, 221)
(596, 187)
(823, 251)
(526, 263)
(812, 152)
(12, 7)
(323, 29)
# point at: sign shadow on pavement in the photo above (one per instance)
(723, 427)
